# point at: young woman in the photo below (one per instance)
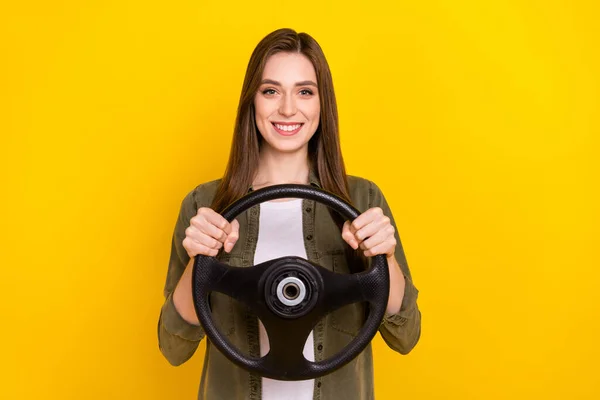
(286, 131)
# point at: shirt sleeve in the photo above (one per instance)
(178, 339)
(401, 331)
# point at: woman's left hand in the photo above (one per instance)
(376, 228)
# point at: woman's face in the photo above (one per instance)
(287, 104)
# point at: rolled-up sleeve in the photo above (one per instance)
(401, 331)
(177, 338)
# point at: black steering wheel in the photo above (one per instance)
(290, 295)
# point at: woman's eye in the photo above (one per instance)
(306, 92)
(268, 91)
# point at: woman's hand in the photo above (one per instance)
(208, 232)
(374, 233)
(376, 228)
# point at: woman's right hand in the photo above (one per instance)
(208, 232)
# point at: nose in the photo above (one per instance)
(287, 107)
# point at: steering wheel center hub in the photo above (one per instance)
(291, 291)
(291, 288)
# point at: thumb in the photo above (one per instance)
(348, 236)
(233, 236)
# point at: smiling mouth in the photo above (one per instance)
(287, 129)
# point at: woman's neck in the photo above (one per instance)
(275, 168)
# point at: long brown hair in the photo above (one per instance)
(324, 150)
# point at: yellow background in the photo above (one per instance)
(479, 120)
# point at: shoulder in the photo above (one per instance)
(364, 192)
(358, 182)
(201, 196)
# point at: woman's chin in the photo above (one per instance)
(288, 148)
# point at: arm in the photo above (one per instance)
(178, 337)
(401, 326)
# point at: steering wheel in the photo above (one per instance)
(290, 295)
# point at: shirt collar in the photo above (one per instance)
(313, 179)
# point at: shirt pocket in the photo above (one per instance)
(350, 318)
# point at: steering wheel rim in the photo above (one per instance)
(250, 285)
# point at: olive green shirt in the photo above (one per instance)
(221, 379)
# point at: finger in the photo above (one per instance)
(382, 235)
(386, 248)
(207, 241)
(201, 223)
(372, 228)
(348, 236)
(202, 238)
(194, 248)
(233, 236)
(366, 218)
(218, 220)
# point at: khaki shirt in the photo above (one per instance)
(221, 379)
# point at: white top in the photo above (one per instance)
(280, 234)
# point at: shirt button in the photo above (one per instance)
(320, 347)
(308, 209)
(309, 237)
(318, 384)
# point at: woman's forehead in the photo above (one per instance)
(289, 68)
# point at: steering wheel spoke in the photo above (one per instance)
(286, 341)
(240, 283)
(342, 289)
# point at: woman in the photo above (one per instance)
(286, 131)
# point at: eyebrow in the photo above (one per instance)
(302, 83)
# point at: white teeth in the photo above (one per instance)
(288, 128)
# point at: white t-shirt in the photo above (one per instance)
(280, 234)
